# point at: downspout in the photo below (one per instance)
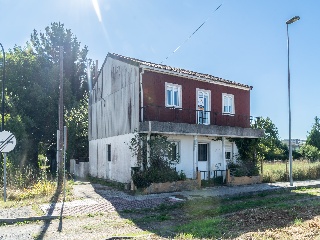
(141, 115)
(195, 156)
(224, 154)
(148, 143)
(141, 95)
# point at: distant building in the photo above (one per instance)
(296, 143)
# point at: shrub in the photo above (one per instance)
(155, 158)
(243, 168)
(140, 179)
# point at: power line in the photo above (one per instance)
(192, 33)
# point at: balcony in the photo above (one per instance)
(193, 116)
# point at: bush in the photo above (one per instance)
(140, 179)
(143, 179)
(243, 168)
(155, 156)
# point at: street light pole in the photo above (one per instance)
(3, 79)
(292, 20)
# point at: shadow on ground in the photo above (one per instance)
(53, 201)
(213, 217)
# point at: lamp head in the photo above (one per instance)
(292, 20)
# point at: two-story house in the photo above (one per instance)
(199, 112)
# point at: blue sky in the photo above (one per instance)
(243, 41)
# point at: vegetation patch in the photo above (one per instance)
(279, 171)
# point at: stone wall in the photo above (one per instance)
(235, 181)
(172, 186)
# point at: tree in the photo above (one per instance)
(270, 145)
(77, 123)
(33, 84)
(253, 151)
(314, 135)
(310, 152)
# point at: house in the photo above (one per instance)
(295, 143)
(198, 112)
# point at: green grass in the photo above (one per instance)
(208, 219)
(301, 170)
(205, 228)
(204, 218)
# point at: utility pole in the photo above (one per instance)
(60, 146)
(3, 79)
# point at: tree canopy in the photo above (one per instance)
(313, 137)
(270, 145)
(32, 87)
(252, 151)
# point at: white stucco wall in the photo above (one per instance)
(186, 153)
(186, 144)
(119, 168)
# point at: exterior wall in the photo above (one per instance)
(80, 169)
(153, 84)
(186, 151)
(186, 154)
(114, 102)
(119, 168)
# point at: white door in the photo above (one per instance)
(203, 160)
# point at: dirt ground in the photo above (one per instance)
(118, 216)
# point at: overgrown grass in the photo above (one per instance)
(29, 185)
(209, 218)
(302, 170)
(216, 217)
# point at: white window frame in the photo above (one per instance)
(175, 88)
(228, 149)
(229, 104)
(208, 93)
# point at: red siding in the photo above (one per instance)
(154, 94)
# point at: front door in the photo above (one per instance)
(203, 158)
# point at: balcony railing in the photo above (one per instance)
(193, 116)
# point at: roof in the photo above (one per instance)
(207, 77)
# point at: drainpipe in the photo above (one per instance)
(195, 156)
(224, 155)
(148, 143)
(141, 95)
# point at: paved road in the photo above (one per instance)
(94, 198)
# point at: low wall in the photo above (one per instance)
(79, 169)
(177, 186)
(235, 181)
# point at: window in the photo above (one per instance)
(173, 153)
(228, 152)
(228, 155)
(173, 95)
(203, 107)
(227, 103)
(109, 152)
(202, 152)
